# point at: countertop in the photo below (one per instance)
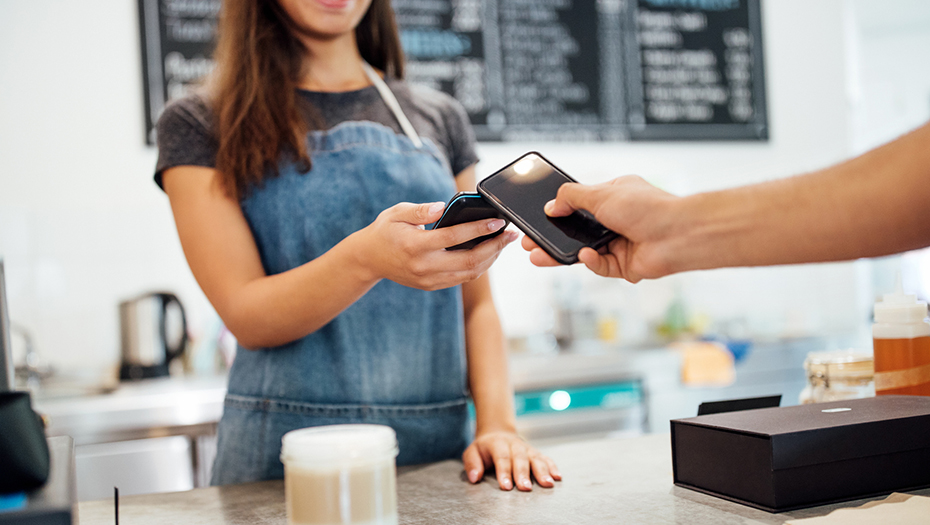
(150, 408)
(605, 481)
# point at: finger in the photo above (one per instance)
(521, 467)
(613, 263)
(541, 471)
(454, 235)
(493, 246)
(501, 456)
(571, 197)
(474, 466)
(553, 469)
(417, 214)
(471, 264)
(528, 244)
(540, 258)
(603, 265)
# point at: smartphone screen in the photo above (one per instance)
(523, 188)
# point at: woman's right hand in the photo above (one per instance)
(397, 247)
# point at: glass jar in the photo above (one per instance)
(340, 474)
(837, 375)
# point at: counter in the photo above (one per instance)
(604, 481)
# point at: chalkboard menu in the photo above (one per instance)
(540, 70)
(177, 44)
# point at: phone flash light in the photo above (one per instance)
(523, 166)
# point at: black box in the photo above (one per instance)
(785, 458)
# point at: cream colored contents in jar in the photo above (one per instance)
(351, 495)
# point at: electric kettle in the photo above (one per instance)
(145, 333)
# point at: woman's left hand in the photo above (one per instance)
(513, 460)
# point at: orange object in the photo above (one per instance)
(902, 366)
(901, 339)
(706, 364)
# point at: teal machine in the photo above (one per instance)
(568, 412)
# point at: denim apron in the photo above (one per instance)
(394, 357)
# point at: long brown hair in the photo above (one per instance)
(259, 116)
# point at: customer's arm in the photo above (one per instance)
(496, 441)
(875, 204)
(269, 310)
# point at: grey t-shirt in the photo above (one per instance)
(186, 137)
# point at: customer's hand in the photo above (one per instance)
(396, 247)
(513, 461)
(641, 213)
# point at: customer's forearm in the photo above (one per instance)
(876, 204)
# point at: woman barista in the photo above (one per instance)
(293, 180)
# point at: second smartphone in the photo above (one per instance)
(522, 188)
(468, 206)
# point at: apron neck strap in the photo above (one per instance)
(392, 104)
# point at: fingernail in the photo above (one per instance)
(506, 484)
(512, 236)
(526, 484)
(549, 479)
(549, 205)
(473, 476)
(495, 225)
(436, 207)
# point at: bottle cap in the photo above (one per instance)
(899, 307)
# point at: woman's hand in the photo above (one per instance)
(396, 247)
(512, 459)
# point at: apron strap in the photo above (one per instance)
(392, 104)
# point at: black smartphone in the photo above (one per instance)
(520, 191)
(467, 206)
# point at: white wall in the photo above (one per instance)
(892, 47)
(83, 226)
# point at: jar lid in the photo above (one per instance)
(840, 364)
(837, 357)
(338, 443)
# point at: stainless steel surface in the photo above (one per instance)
(540, 372)
(142, 466)
(142, 342)
(152, 408)
(605, 481)
(144, 333)
(102, 424)
(6, 355)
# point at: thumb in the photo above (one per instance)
(418, 214)
(571, 197)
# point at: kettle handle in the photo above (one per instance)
(171, 353)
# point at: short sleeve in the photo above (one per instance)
(461, 137)
(184, 136)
